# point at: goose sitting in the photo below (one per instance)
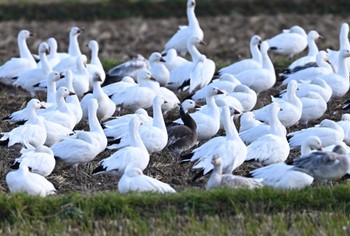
(246, 96)
(133, 180)
(135, 155)
(83, 146)
(179, 40)
(22, 180)
(290, 42)
(32, 133)
(173, 60)
(248, 121)
(246, 64)
(154, 135)
(324, 165)
(183, 137)
(30, 78)
(217, 179)
(106, 106)
(158, 69)
(40, 160)
(18, 65)
(313, 108)
(230, 148)
(95, 63)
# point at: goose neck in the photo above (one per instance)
(191, 16)
(215, 177)
(256, 54)
(51, 92)
(94, 124)
(158, 120)
(73, 48)
(342, 68)
(23, 49)
(313, 49)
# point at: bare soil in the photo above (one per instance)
(228, 41)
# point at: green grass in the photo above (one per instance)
(261, 211)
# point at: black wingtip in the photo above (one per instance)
(184, 84)
(4, 142)
(186, 158)
(15, 166)
(113, 141)
(99, 169)
(200, 174)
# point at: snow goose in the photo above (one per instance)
(60, 113)
(207, 118)
(154, 135)
(140, 95)
(226, 82)
(172, 101)
(272, 147)
(83, 146)
(310, 58)
(106, 106)
(51, 90)
(133, 180)
(217, 179)
(173, 60)
(310, 143)
(183, 137)
(328, 131)
(158, 69)
(345, 124)
(248, 121)
(323, 67)
(247, 64)
(290, 42)
(16, 66)
(230, 148)
(313, 108)
(69, 62)
(32, 133)
(53, 57)
(129, 68)
(30, 78)
(95, 62)
(179, 40)
(135, 155)
(291, 107)
(40, 160)
(260, 79)
(116, 87)
(344, 44)
(324, 165)
(339, 82)
(22, 180)
(282, 176)
(246, 96)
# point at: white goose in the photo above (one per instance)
(158, 69)
(179, 40)
(345, 124)
(32, 133)
(83, 146)
(135, 155)
(52, 57)
(248, 121)
(344, 44)
(16, 66)
(95, 62)
(106, 106)
(119, 86)
(272, 147)
(73, 101)
(314, 106)
(260, 79)
(328, 131)
(22, 180)
(40, 160)
(173, 60)
(217, 179)
(133, 180)
(290, 42)
(30, 78)
(230, 148)
(154, 135)
(246, 96)
(247, 64)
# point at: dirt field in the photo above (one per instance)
(228, 41)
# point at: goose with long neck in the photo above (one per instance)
(106, 106)
(179, 40)
(343, 44)
(73, 101)
(18, 65)
(32, 133)
(135, 155)
(95, 62)
(51, 87)
(217, 179)
(183, 137)
(83, 146)
(246, 64)
(339, 82)
(154, 136)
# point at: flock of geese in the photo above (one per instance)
(117, 104)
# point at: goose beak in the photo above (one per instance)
(203, 42)
(61, 75)
(162, 59)
(71, 93)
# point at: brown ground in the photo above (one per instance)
(228, 41)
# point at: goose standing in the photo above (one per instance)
(135, 155)
(217, 179)
(106, 106)
(52, 57)
(133, 180)
(83, 146)
(16, 66)
(22, 180)
(344, 44)
(179, 40)
(95, 62)
(247, 64)
(72, 100)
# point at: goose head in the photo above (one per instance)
(44, 48)
(216, 160)
(156, 57)
(255, 40)
(24, 34)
